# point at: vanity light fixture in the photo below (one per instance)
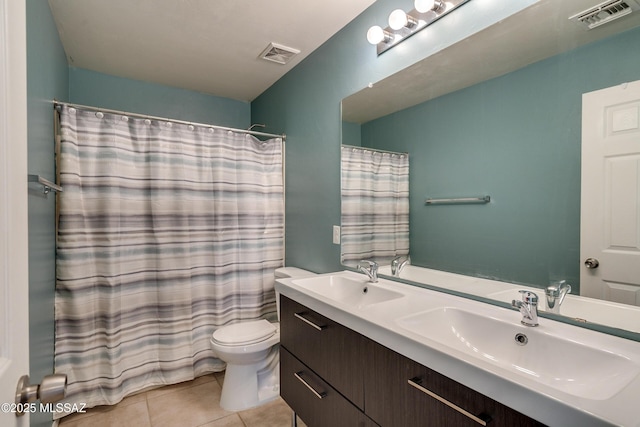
(377, 35)
(399, 19)
(424, 6)
(403, 25)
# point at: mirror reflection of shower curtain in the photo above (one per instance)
(166, 232)
(375, 205)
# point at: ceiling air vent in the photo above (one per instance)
(278, 53)
(605, 12)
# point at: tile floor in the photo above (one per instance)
(190, 404)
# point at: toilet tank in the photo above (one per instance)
(293, 272)
(289, 272)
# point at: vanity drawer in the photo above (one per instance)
(404, 392)
(331, 350)
(315, 401)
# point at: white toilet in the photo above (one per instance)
(251, 352)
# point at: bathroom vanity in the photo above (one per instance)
(354, 353)
(333, 376)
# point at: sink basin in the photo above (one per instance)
(354, 292)
(564, 364)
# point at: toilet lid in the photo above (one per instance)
(245, 332)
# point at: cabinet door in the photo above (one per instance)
(401, 392)
(315, 401)
(332, 351)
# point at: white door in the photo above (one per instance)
(610, 211)
(14, 328)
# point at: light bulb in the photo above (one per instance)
(375, 35)
(424, 6)
(398, 19)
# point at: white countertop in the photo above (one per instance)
(534, 399)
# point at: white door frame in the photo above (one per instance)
(14, 283)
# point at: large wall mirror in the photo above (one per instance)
(498, 114)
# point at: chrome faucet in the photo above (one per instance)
(397, 266)
(555, 294)
(528, 308)
(372, 271)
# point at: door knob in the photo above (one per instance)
(52, 389)
(591, 263)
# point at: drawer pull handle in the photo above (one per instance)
(319, 395)
(309, 322)
(481, 419)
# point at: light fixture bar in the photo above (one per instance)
(394, 37)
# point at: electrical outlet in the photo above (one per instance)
(336, 234)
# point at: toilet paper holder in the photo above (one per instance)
(52, 389)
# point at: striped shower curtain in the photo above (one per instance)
(375, 205)
(166, 232)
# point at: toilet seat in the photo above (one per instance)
(245, 333)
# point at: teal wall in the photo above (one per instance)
(517, 138)
(351, 133)
(305, 104)
(134, 96)
(47, 78)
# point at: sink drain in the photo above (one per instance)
(521, 339)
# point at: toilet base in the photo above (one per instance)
(244, 388)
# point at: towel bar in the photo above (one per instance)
(459, 200)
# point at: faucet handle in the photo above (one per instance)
(372, 264)
(397, 266)
(395, 263)
(555, 293)
(397, 259)
(528, 308)
(564, 287)
(529, 297)
(372, 272)
(553, 290)
(557, 288)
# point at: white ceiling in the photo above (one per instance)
(210, 46)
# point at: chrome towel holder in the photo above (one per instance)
(459, 200)
(47, 186)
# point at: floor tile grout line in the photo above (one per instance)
(146, 402)
(241, 419)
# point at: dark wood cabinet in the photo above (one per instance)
(401, 392)
(333, 376)
(314, 400)
(332, 351)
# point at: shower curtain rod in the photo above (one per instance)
(57, 103)
(358, 147)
